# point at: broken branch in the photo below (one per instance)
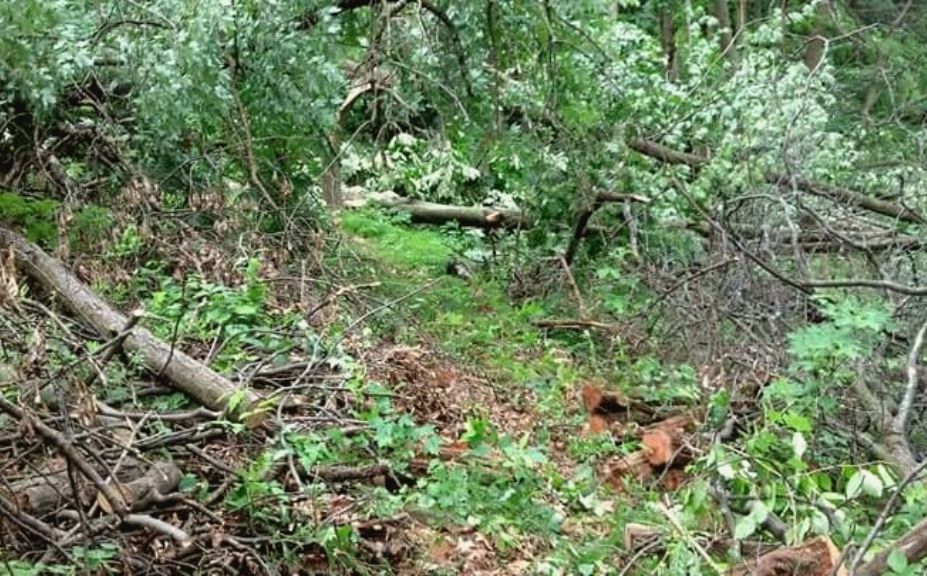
(186, 374)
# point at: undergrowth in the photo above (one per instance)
(574, 522)
(526, 485)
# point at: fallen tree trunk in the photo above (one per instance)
(495, 218)
(582, 222)
(849, 197)
(476, 216)
(666, 154)
(185, 374)
(913, 545)
(43, 494)
(473, 216)
(652, 540)
(836, 193)
(815, 557)
(663, 452)
(815, 240)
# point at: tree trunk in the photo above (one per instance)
(815, 557)
(186, 374)
(49, 491)
(816, 46)
(668, 41)
(472, 216)
(740, 15)
(723, 14)
(913, 545)
(331, 177)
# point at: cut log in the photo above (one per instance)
(431, 213)
(673, 479)
(43, 494)
(663, 453)
(913, 545)
(635, 466)
(183, 372)
(595, 425)
(658, 446)
(666, 154)
(637, 536)
(664, 441)
(471, 216)
(815, 557)
(612, 405)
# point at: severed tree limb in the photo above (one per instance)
(886, 512)
(185, 374)
(666, 154)
(913, 545)
(582, 222)
(496, 218)
(867, 283)
(812, 240)
(896, 437)
(42, 494)
(151, 523)
(850, 197)
(180, 537)
(836, 193)
(116, 501)
(577, 324)
(811, 558)
(30, 522)
(473, 216)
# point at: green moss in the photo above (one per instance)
(37, 220)
(396, 245)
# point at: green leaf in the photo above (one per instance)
(872, 485)
(855, 485)
(187, 482)
(864, 482)
(796, 422)
(819, 522)
(246, 309)
(888, 480)
(744, 527)
(799, 445)
(759, 512)
(897, 561)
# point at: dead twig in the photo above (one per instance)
(664, 509)
(576, 325)
(580, 305)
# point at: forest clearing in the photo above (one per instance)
(498, 287)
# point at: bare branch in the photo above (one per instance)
(824, 190)
(883, 517)
(850, 197)
(66, 448)
(866, 283)
(900, 424)
(913, 545)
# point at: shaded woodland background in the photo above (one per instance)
(590, 287)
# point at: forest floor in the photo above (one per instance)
(422, 422)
